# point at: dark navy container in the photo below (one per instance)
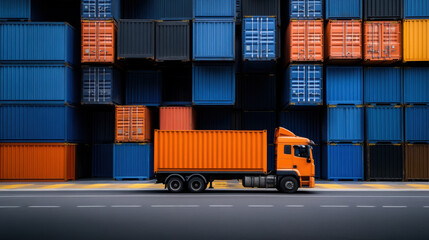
(343, 124)
(101, 85)
(38, 84)
(173, 41)
(136, 39)
(15, 10)
(344, 85)
(383, 85)
(261, 8)
(177, 85)
(383, 9)
(305, 9)
(214, 8)
(384, 124)
(102, 160)
(143, 88)
(101, 9)
(133, 161)
(417, 124)
(218, 119)
(103, 125)
(416, 84)
(317, 157)
(343, 9)
(177, 10)
(43, 123)
(260, 38)
(385, 161)
(416, 9)
(258, 92)
(303, 85)
(144, 9)
(303, 123)
(342, 162)
(271, 157)
(260, 121)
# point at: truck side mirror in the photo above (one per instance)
(308, 159)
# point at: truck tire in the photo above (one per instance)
(175, 185)
(196, 185)
(288, 185)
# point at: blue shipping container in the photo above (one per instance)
(15, 10)
(262, 86)
(303, 123)
(416, 9)
(177, 10)
(133, 161)
(260, 121)
(343, 124)
(305, 9)
(218, 119)
(36, 83)
(342, 161)
(383, 85)
(41, 42)
(43, 123)
(214, 8)
(143, 88)
(416, 84)
(101, 85)
(344, 85)
(417, 124)
(259, 38)
(103, 126)
(343, 9)
(213, 84)
(384, 124)
(303, 85)
(101, 9)
(213, 39)
(102, 160)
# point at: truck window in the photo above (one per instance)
(287, 149)
(301, 151)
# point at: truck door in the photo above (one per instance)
(303, 160)
(284, 157)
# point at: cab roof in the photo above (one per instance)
(283, 135)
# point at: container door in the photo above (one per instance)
(89, 8)
(251, 38)
(298, 9)
(267, 38)
(104, 87)
(313, 33)
(314, 84)
(123, 130)
(314, 9)
(105, 42)
(297, 82)
(374, 43)
(391, 40)
(89, 41)
(137, 124)
(302, 160)
(104, 8)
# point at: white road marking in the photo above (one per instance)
(294, 206)
(365, 206)
(91, 206)
(394, 206)
(260, 206)
(221, 206)
(43, 206)
(426, 206)
(175, 206)
(334, 206)
(10, 206)
(126, 206)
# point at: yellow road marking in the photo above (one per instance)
(144, 185)
(377, 186)
(14, 186)
(420, 186)
(330, 186)
(95, 186)
(54, 186)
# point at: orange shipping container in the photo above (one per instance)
(132, 124)
(304, 41)
(382, 41)
(37, 161)
(176, 118)
(98, 41)
(416, 40)
(210, 151)
(344, 40)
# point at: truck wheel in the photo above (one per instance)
(288, 185)
(196, 185)
(175, 185)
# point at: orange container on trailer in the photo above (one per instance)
(382, 41)
(176, 118)
(37, 161)
(304, 41)
(132, 124)
(210, 151)
(343, 40)
(98, 41)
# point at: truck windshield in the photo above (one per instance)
(301, 151)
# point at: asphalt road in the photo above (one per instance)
(214, 215)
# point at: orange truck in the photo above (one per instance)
(193, 159)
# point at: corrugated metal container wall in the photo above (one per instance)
(103, 126)
(133, 124)
(344, 85)
(37, 161)
(343, 9)
(177, 10)
(38, 84)
(305, 41)
(303, 85)
(238, 14)
(136, 39)
(44, 42)
(102, 160)
(213, 84)
(221, 156)
(214, 8)
(173, 41)
(260, 41)
(258, 92)
(101, 9)
(415, 9)
(260, 121)
(343, 161)
(213, 39)
(218, 119)
(416, 161)
(98, 41)
(144, 9)
(344, 124)
(177, 118)
(416, 40)
(177, 85)
(15, 10)
(343, 40)
(303, 123)
(385, 162)
(101, 85)
(382, 41)
(261, 8)
(42, 123)
(417, 124)
(383, 85)
(132, 161)
(416, 85)
(305, 9)
(382, 9)
(384, 124)
(143, 88)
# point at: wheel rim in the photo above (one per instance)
(196, 185)
(289, 185)
(175, 185)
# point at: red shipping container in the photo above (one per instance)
(133, 124)
(177, 118)
(304, 41)
(344, 40)
(98, 41)
(382, 41)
